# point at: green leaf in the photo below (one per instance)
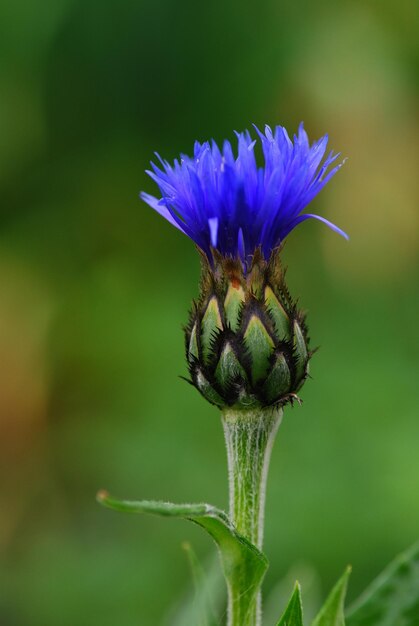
(300, 351)
(244, 566)
(211, 323)
(393, 598)
(232, 305)
(228, 367)
(293, 615)
(208, 390)
(331, 613)
(278, 314)
(260, 347)
(193, 352)
(278, 382)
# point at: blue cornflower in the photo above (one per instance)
(229, 203)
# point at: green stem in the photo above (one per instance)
(249, 437)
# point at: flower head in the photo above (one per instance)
(228, 203)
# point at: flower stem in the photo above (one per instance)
(249, 437)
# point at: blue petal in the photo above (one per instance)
(155, 204)
(307, 216)
(213, 226)
(240, 245)
(227, 202)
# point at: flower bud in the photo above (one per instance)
(246, 342)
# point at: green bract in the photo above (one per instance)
(246, 341)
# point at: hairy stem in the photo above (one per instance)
(249, 437)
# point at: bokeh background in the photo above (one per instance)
(95, 288)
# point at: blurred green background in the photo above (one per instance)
(95, 288)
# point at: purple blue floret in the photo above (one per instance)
(227, 202)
